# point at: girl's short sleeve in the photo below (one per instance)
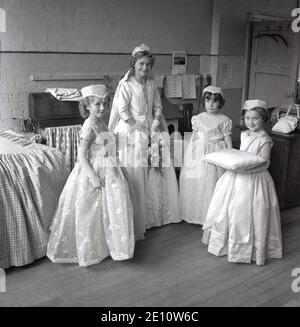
(265, 147)
(227, 127)
(86, 133)
(266, 140)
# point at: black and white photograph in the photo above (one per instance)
(149, 156)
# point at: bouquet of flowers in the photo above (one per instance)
(155, 183)
(155, 154)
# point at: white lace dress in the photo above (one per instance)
(243, 218)
(90, 225)
(198, 178)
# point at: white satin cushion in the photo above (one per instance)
(236, 160)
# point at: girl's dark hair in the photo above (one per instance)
(140, 55)
(216, 96)
(261, 111)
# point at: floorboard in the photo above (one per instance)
(171, 267)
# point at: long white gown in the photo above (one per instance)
(243, 218)
(90, 225)
(142, 104)
(198, 178)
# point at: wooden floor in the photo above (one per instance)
(171, 267)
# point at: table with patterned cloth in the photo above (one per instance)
(32, 177)
(66, 140)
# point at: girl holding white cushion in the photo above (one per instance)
(243, 219)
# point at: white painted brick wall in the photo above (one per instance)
(91, 26)
(109, 26)
(16, 84)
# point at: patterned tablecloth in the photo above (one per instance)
(66, 140)
(32, 177)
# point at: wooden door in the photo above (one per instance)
(273, 63)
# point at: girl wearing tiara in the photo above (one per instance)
(211, 133)
(243, 218)
(137, 120)
(94, 216)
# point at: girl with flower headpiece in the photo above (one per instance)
(136, 117)
(243, 219)
(94, 216)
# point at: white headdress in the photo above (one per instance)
(99, 90)
(213, 89)
(250, 104)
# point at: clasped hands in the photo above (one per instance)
(97, 183)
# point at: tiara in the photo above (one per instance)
(140, 48)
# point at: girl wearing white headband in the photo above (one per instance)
(211, 132)
(94, 216)
(136, 115)
(243, 218)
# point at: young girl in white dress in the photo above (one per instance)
(211, 133)
(243, 218)
(94, 216)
